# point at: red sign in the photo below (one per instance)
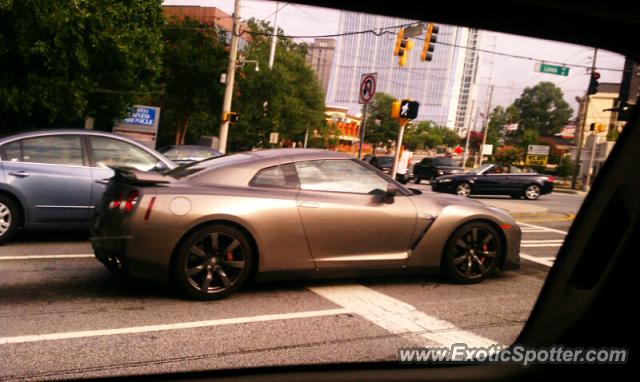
(367, 87)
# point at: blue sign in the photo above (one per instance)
(144, 116)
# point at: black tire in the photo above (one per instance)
(532, 192)
(10, 218)
(417, 180)
(466, 186)
(227, 264)
(463, 249)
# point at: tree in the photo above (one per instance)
(508, 154)
(286, 99)
(541, 111)
(380, 111)
(63, 60)
(498, 118)
(565, 167)
(192, 62)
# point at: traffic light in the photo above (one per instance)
(399, 38)
(402, 47)
(231, 117)
(593, 83)
(409, 109)
(430, 38)
(395, 110)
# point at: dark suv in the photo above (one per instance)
(431, 168)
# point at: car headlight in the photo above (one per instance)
(444, 180)
(440, 172)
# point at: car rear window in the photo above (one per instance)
(208, 164)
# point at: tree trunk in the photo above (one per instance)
(181, 131)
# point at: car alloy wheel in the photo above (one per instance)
(463, 189)
(9, 217)
(532, 192)
(473, 252)
(214, 262)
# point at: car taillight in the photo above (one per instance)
(116, 202)
(550, 179)
(131, 201)
(125, 204)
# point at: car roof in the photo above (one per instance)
(86, 132)
(52, 132)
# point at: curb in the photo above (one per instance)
(568, 191)
(527, 214)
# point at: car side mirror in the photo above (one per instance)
(390, 195)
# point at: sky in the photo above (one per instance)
(508, 75)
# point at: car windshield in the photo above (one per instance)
(385, 161)
(481, 169)
(448, 162)
(194, 153)
(233, 261)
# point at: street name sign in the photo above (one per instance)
(551, 69)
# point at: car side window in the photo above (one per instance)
(338, 175)
(281, 176)
(12, 152)
(61, 150)
(113, 152)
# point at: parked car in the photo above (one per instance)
(53, 179)
(496, 179)
(433, 167)
(210, 225)
(385, 163)
(184, 154)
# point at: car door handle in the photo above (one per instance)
(19, 173)
(102, 181)
(309, 204)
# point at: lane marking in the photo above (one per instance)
(398, 317)
(36, 257)
(539, 227)
(540, 260)
(164, 327)
(543, 241)
(541, 245)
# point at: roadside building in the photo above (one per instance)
(320, 58)
(347, 129)
(208, 16)
(600, 111)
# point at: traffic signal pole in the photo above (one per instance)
(396, 160)
(231, 73)
(362, 126)
(465, 155)
(583, 123)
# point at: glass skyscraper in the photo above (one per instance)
(443, 86)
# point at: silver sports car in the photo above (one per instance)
(211, 226)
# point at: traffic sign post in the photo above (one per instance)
(366, 94)
(537, 155)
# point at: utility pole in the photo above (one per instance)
(582, 125)
(274, 39)
(487, 119)
(594, 137)
(466, 145)
(231, 73)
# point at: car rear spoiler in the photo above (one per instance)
(133, 176)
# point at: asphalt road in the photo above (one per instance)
(64, 316)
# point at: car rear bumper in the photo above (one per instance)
(133, 248)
